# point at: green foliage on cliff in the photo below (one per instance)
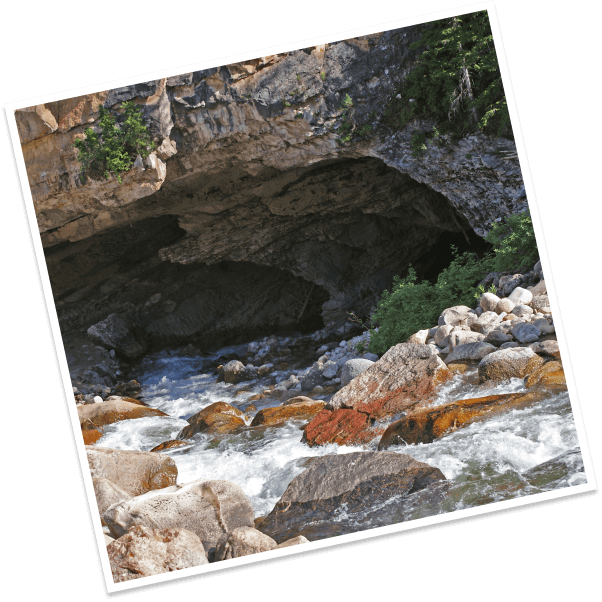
(114, 147)
(411, 306)
(514, 243)
(456, 80)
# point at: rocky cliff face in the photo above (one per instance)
(252, 214)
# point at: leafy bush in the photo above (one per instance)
(114, 147)
(413, 305)
(514, 243)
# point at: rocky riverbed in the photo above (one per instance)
(290, 439)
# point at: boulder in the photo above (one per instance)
(486, 322)
(509, 345)
(427, 424)
(517, 362)
(351, 481)
(312, 379)
(302, 410)
(546, 349)
(541, 303)
(526, 333)
(489, 302)
(297, 399)
(210, 509)
(353, 368)
(523, 311)
(442, 335)
(405, 374)
(520, 296)
(144, 551)
(504, 306)
(108, 412)
(233, 372)
(497, 337)
(419, 337)
(218, 418)
(117, 332)
(463, 337)
(539, 289)
(107, 494)
(134, 472)
(243, 541)
(469, 352)
(544, 326)
(454, 316)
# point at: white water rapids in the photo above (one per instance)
(485, 461)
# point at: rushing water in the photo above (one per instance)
(485, 462)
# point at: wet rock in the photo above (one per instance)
(558, 472)
(135, 472)
(108, 412)
(117, 332)
(546, 349)
(91, 436)
(233, 372)
(302, 410)
(243, 541)
(504, 364)
(144, 551)
(312, 379)
(469, 352)
(107, 494)
(297, 399)
(342, 426)
(250, 409)
(128, 399)
(354, 481)
(353, 368)
(428, 424)
(171, 444)
(550, 374)
(210, 509)
(265, 369)
(217, 418)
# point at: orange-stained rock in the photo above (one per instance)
(256, 397)
(297, 399)
(91, 436)
(404, 375)
(219, 417)
(549, 374)
(108, 412)
(169, 445)
(458, 368)
(344, 427)
(428, 424)
(302, 410)
(250, 408)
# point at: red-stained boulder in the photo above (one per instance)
(99, 414)
(405, 375)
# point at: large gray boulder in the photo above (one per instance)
(312, 379)
(470, 352)
(117, 332)
(463, 337)
(356, 482)
(144, 551)
(210, 509)
(526, 333)
(353, 368)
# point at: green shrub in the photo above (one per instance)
(514, 243)
(114, 148)
(413, 305)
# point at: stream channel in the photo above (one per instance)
(488, 461)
